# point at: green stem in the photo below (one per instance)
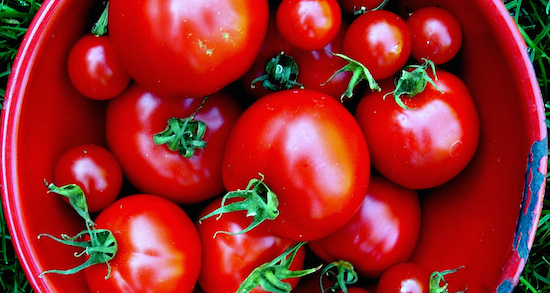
(342, 272)
(281, 73)
(100, 27)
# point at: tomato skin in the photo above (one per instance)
(198, 48)
(136, 116)
(95, 170)
(381, 234)
(424, 146)
(312, 155)
(94, 70)
(228, 259)
(404, 278)
(309, 24)
(436, 34)
(380, 40)
(159, 248)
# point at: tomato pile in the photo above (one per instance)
(257, 145)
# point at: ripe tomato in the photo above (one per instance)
(136, 116)
(309, 24)
(404, 277)
(427, 144)
(381, 234)
(227, 260)
(159, 248)
(380, 40)
(313, 157)
(189, 48)
(436, 34)
(94, 70)
(95, 170)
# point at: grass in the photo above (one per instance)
(532, 17)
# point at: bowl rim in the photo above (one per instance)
(534, 184)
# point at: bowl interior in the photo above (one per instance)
(483, 220)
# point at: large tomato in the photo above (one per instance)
(381, 234)
(187, 47)
(427, 142)
(159, 248)
(312, 155)
(136, 116)
(227, 260)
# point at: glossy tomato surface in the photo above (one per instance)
(197, 49)
(228, 259)
(380, 235)
(159, 249)
(318, 169)
(133, 119)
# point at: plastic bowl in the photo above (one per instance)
(484, 220)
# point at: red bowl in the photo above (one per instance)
(484, 220)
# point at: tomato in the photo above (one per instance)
(426, 144)
(95, 170)
(312, 155)
(404, 278)
(94, 70)
(136, 116)
(380, 40)
(228, 259)
(309, 24)
(381, 234)
(354, 6)
(189, 48)
(436, 34)
(159, 248)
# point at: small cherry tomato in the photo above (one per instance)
(309, 24)
(95, 170)
(404, 278)
(436, 34)
(94, 70)
(380, 40)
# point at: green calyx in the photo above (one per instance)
(281, 73)
(270, 275)
(99, 245)
(359, 73)
(343, 274)
(258, 200)
(100, 27)
(412, 80)
(438, 284)
(184, 135)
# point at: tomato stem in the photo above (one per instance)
(413, 82)
(281, 73)
(184, 135)
(76, 197)
(342, 272)
(258, 200)
(270, 275)
(363, 9)
(359, 73)
(100, 27)
(437, 278)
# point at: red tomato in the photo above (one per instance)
(136, 116)
(95, 170)
(189, 48)
(381, 234)
(436, 34)
(352, 6)
(381, 41)
(309, 24)
(429, 143)
(404, 278)
(312, 154)
(94, 70)
(159, 248)
(227, 260)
